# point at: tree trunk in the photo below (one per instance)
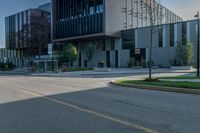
(150, 54)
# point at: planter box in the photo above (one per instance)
(181, 67)
(102, 69)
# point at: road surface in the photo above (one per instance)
(88, 105)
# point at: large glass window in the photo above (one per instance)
(171, 35)
(128, 39)
(184, 33)
(81, 17)
(160, 36)
(112, 44)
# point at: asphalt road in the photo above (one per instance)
(88, 105)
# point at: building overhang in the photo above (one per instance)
(83, 38)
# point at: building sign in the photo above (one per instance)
(50, 49)
(137, 51)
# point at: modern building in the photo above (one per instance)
(165, 39)
(101, 21)
(46, 7)
(21, 32)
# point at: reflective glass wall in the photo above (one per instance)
(77, 17)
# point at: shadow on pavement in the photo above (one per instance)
(150, 109)
(40, 115)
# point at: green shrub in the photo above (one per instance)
(184, 55)
(6, 66)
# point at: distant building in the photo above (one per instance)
(83, 21)
(19, 32)
(136, 42)
(46, 7)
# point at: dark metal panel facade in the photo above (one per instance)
(77, 17)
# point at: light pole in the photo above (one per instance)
(197, 16)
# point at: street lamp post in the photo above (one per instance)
(197, 16)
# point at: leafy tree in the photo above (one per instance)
(184, 55)
(90, 50)
(68, 54)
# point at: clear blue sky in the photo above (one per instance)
(184, 8)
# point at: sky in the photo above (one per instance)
(184, 8)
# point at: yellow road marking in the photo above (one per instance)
(110, 118)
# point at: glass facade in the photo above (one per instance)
(77, 17)
(16, 36)
(18, 29)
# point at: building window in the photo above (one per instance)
(184, 34)
(87, 19)
(160, 36)
(103, 45)
(128, 39)
(171, 35)
(112, 44)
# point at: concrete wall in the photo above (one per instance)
(114, 18)
(162, 55)
(100, 55)
(124, 56)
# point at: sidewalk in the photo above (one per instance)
(116, 71)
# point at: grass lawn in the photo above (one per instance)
(188, 85)
(181, 77)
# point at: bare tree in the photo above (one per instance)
(153, 9)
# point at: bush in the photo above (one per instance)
(6, 66)
(68, 55)
(184, 55)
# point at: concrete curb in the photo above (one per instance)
(157, 88)
(99, 74)
(14, 73)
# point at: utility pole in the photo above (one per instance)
(197, 16)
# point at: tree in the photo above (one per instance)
(184, 55)
(90, 50)
(153, 9)
(68, 54)
(36, 34)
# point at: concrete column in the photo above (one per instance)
(175, 34)
(188, 32)
(136, 39)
